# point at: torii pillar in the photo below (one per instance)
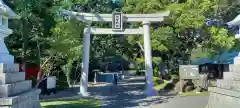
(148, 59)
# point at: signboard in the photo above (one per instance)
(51, 82)
(188, 71)
(117, 22)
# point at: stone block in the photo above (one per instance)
(236, 72)
(237, 60)
(27, 104)
(236, 68)
(235, 86)
(236, 76)
(225, 84)
(28, 99)
(7, 90)
(9, 68)
(227, 75)
(33, 94)
(7, 78)
(223, 98)
(229, 84)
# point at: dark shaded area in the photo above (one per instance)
(44, 89)
(67, 94)
(215, 70)
(129, 93)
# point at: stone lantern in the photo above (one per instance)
(235, 22)
(5, 14)
(15, 91)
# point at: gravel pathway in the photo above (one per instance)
(130, 94)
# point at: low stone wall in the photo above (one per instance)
(226, 94)
(223, 98)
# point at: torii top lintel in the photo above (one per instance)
(158, 17)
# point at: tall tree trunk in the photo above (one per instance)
(25, 43)
(40, 73)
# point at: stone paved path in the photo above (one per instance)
(129, 94)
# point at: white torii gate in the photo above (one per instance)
(117, 19)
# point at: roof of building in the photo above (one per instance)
(224, 58)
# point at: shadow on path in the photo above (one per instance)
(128, 94)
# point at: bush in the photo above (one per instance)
(157, 80)
(61, 82)
(156, 71)
(68, 70)
(174, 76)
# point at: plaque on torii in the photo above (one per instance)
(117, 22)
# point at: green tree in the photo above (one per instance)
(221, 41)
(31, 33)
(187, 29)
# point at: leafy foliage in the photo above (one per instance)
(221, 41)
(45, 37)
(68, 35)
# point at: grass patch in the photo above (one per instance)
(194, 94)
(161, 86)
(83, 103)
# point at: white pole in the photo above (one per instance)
(148, 60)
(85, 65)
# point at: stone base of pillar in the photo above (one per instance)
(150, 91)
(6, 58)
(83, 91)
(83, 94)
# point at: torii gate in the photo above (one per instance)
(117, 20)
